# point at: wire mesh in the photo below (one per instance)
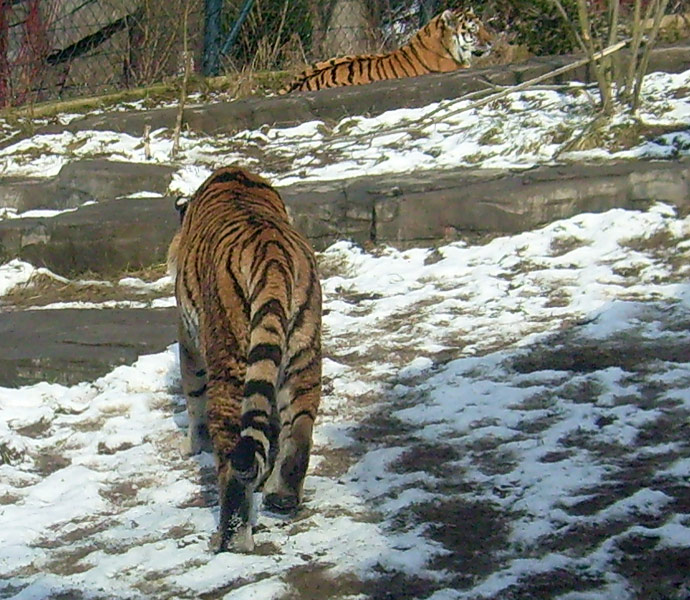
(52, 49)
(57, 49)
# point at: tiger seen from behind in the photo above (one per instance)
(445, 44)
(249, 307)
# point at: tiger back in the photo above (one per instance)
(249, 307)
(445, 44)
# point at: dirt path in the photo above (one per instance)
(499, 422)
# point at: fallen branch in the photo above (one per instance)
(530, 83)
(508, 90)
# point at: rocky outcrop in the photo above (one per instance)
(83, 181)
(78, 344)
(417, 209)
(373, 99)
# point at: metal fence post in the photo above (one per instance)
(246, 7)
(210, 63)
(4, 64)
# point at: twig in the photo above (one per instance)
(586, 131)
(507, 90)
(532, 82)
(185, 79)
(426, 120)
(612, 66)
(570, 25)
(644, 63)
(147, 142)
(626, 92)
(276, 47)
(599, 71)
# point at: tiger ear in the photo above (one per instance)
(181, 203)
(447, 18)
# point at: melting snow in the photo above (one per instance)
(518, 131)
(499, 421)
(454, 402)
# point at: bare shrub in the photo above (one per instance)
(604, 24)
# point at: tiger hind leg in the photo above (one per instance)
(283, 490)
(236, 482)
(194, 384)
(236, 508)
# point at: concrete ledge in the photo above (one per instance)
(418, 209)
(68, 346)
(107, 237)
(424, 208)
(373, 99)
(82, 181)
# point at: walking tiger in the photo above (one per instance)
(445, 44)
(249, 306)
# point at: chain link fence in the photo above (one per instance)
(52, 49)
(59, 49)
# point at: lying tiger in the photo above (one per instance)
(249, 305)
(445, 44)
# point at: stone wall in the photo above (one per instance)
(373, 99)
(421, 209)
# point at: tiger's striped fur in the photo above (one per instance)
(445, 44)
(249, 305)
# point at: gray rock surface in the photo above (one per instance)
(83, 181)
(402, 210)
(72, 345)
(107, 237)
(397, 209)
(337, 103)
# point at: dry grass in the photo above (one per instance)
(262, 82)
(42, 289)
(599, 133)
(503, 52)
(334, 265)
(561, 246)
(659, 242)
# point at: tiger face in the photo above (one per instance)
(464, 35)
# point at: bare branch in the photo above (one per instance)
(532, 82)
(187, 58)
(644, 62)
(569, 24)
(507, 90)
(599, 69)
(637, 30)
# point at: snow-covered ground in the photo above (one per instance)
(496, 419)
(518, 131)
(499, 421)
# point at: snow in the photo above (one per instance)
(495, 417)
(17, 272)
(518, 131)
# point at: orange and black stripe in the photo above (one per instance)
(433, 49)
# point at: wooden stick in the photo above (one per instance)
(187, 57)
(564, 69)
(507, 90)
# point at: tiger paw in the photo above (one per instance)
(185, 447)
(281, 503)
(241, 540)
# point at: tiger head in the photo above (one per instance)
(464, 34)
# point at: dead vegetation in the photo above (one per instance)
(43, 289)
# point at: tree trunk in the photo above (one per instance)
(350, 29)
